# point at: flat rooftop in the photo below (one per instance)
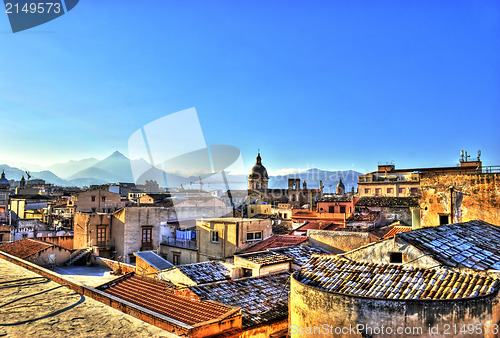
(92, 276)
(61, 312)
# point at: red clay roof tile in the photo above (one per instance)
(159, 297)
(275, 241)
(25, 247)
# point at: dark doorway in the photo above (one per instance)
(444, 219)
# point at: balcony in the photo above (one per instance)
(104, 244)
(185, 244)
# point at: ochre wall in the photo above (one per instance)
(475, 196)
(311, 307)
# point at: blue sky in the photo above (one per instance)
(327, 84)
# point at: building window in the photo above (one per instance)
(367, 191)
(396, 257)
(92, 198)
(378, 191)
(342, 209)
(214, 236)
(401, 190)
(101, 236)
(413, 191)
(103, 198)
(176, 258)
(331, 209)
(444, 219)
(390, 190)
(254, 236)
(25, 236)
(146, 237)
(93, 210)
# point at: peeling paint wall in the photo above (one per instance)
(465, 197)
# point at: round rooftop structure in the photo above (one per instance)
(3, 181)
(258, 170)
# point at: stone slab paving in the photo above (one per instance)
(61, 312)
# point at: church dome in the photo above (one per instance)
(258, 170)
(340, 188)
(3, 180)
(340, 184)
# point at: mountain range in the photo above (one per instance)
(117, 168)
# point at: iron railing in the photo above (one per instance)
(187, 244)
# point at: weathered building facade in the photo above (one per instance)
(450, 198)
(333, 296)
(97, 200)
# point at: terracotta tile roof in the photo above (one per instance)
(159, 297)
(262, 299)
(474, 244)
(275, 241)
(370, 217)
(300, 254)
(206, 272)
(390, 281)
(396, 230)
(266, 258)
(388, 201)
(25, 247)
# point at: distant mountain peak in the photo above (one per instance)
(117, 154)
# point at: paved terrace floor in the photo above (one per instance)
(88, 275)
(61, 312)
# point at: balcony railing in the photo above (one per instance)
(187, 244)
(492, 169)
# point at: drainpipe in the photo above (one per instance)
(451, 204)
